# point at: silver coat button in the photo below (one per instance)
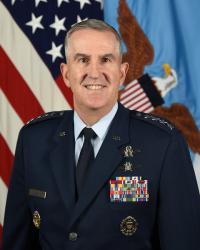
(73, 236)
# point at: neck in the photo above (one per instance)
(91, 116)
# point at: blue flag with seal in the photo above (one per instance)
(167, 48)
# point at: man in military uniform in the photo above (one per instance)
(101, 176)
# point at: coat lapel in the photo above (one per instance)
(107, 160)
(62, 160)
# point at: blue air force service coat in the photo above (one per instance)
(140, 194)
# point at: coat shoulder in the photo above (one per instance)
(153, 120)
(47, 116)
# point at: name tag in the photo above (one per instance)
(37, 193)
(129, 189)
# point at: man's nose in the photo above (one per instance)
(94, 70)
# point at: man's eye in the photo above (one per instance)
(83, 60)
(106, 59)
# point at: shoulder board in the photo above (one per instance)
(46, 116)
(155, 120)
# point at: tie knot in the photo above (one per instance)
(88, 133)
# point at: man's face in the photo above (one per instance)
(94, 70)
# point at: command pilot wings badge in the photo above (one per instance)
(129, 151)
(129, 189)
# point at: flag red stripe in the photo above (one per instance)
(135, 90)
(1, 230)
(6, 161)
(65, 90)
(17, 91)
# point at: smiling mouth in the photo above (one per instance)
(94, 86)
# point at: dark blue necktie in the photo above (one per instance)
(85, 159)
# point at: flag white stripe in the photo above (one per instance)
(38, 78)
(3, 192)
(10, 123)
(196, 165)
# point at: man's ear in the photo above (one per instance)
(124, 69)
(64, 72)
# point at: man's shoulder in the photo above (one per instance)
(48, 117)
(154, 121)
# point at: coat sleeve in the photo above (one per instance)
(179, 199)
(18, 231)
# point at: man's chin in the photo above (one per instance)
(99, 107)
(95, 107)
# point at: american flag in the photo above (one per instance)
(31, 49)
(134, 97)
(141, 95)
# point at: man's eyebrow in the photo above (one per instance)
(77, 55)
(110, 55)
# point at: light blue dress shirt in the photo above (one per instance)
(100, 128)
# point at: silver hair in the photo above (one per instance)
(92, 24)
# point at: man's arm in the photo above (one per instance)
(179, 200)
(18, 231)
